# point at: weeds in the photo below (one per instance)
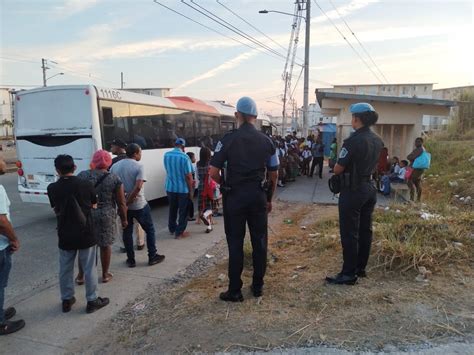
(404, 240)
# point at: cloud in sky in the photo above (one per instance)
(230, 64)
(344, 10)
(71, 7)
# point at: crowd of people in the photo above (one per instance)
(407, 171)
(302, 156)
(93, 206)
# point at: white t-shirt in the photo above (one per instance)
(396, 169)
(5, 210)
(401, 173)
(307, 154)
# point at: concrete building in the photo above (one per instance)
(6, 112)
(400, 118)
(437, 123)
(454, 93)
(420, 90)
(160, 92)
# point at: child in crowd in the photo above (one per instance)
(393, 177)
(191, 202)
(395, 168)
(400, 176)
(306, 154)
(204, 201)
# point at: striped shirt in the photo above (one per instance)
(177, 165)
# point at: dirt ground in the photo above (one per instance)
(297, 309)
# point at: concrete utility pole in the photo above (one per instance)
(44, 67)
(121, 80)
(284, 105)
(306, 68)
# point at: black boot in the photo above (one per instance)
(361, 273)
(257, 291)
(341, 279)
(229, 296)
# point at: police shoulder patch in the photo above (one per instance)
(343, 153)
(218, 147)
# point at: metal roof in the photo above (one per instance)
(320, 95)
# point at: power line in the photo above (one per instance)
(57, 66)
(349, 43)
(360, 43)
(251, 25)
(18, 60)
(297, 82)
(211, 29)
(231, 27)
(81, 74)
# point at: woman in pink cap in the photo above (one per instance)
(110, 197)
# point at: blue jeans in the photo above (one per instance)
(5, 267)
(88, 261)
(178, 203)
(143, 217)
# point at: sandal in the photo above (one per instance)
(80, 281)
(107, 277)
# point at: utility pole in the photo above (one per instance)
(121, 80)
(44, 67)
(284, 105)
(306, 68)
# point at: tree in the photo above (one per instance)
(7, 123)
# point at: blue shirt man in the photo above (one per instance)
(179, 187)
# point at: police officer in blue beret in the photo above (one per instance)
(250, 158)
(356, 163)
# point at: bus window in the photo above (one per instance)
(108, 116)
(226, 127)
(184, 127)
(158, 127)
(207, 131)
(115, 123)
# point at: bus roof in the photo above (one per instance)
(179, 102)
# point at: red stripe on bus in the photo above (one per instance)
(188, 103)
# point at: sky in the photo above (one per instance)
(93, 41)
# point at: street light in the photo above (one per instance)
(280, 12)
(53, 76)
(306, 60)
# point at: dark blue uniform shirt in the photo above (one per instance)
(248, 153)
(360, 152)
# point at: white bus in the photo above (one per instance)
(78, 120)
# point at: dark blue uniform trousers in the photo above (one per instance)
(355, 222)
(246, 204)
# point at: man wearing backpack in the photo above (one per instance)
(179, 188)
(72, 200)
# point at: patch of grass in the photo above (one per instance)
(451, 173)
(404, 240)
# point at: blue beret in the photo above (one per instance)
(247, 105)
(180, 141)
(361, 107)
